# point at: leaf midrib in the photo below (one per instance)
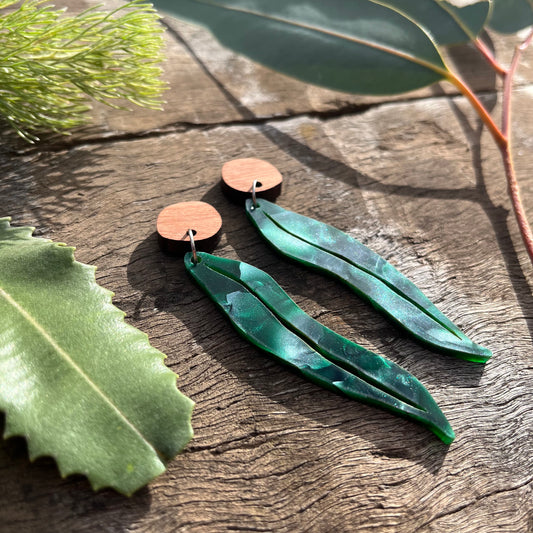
(457, 20)
(427, 64)
(29, 318)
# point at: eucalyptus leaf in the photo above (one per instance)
(76, 381)
(356, 46)
(510, 16)
(446, 23)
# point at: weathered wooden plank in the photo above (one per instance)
(233, 88)
(211, 85)
(417, 182)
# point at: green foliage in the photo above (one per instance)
(510, 16)
(52, 63)
(79, 383)
(354, 46)
(446, 23)
(357, 46)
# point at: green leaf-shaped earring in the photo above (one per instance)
(322, 247)
(263, 313)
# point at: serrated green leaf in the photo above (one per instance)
(510, 16)
(357, 46)
(447, 24)
(79, 383)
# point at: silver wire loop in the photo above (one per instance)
(193, 247)
(254, 198)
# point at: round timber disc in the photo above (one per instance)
(238, 178)
(175, 221)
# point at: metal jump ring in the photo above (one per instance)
(254, 198)
(193, 247)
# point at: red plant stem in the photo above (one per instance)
(508, 84)
(502, 138)
(514, 191)
(488, 55)
(518, 208)
(497, 134)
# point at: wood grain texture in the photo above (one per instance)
(421, 183)
(210, 85)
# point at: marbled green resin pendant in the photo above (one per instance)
(323, 247)
(265, 315)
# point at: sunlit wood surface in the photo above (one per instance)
(416, 178)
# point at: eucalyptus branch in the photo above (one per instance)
(53, 65)
(514, 190)
(480, 109)
(489, 56)
(502, 135)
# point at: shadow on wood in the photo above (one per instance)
(467, 61)
(164, 279)
(41, 493)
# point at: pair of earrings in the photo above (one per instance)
(265, 315)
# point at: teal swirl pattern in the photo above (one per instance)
(323, 247)
(267, 317)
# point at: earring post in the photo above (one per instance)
(254, 197)
(193, 247)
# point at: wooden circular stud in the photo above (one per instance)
(174, 222)
(238, 178)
